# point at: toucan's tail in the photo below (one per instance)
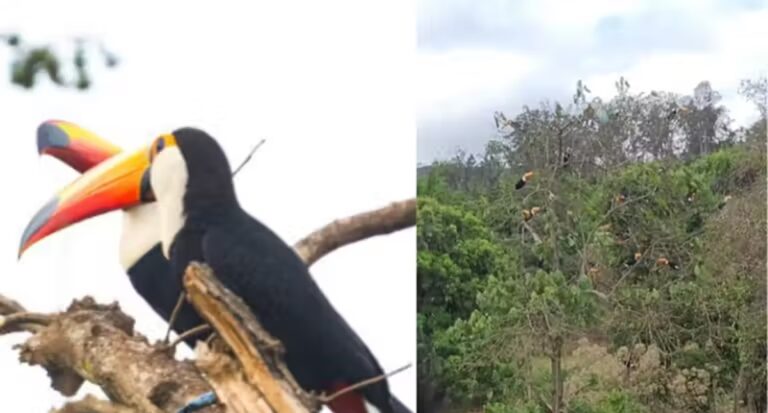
(398, 406)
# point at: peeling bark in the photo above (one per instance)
(260, 354)
(97, 343)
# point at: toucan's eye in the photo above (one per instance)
(156, 148)
(159, 145)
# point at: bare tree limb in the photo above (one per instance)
(535, 236)
(9, 306)
(96, 342)
(248, 158)
(364, 383)
(394, 217)
(23, 321)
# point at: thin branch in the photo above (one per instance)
(536, 237)
(248, 158)
(189, 333)
(394, 217)
(364, 383)
(174, 314)
(23, 321)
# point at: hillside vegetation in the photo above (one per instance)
(637, 286)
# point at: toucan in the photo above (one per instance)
(722, 203)
(200, 219)
(663, 261)
(524, 179)
(633, 259)
(528, 214)
(140, 254)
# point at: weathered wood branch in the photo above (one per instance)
(535, 236)
(391, 218)
(260, 354)
(94, 342)
(9, 306)
(23, 321)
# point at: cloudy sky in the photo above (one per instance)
(310, 77)
(478, 57)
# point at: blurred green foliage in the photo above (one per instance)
(29, 61)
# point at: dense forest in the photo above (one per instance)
(626, 275)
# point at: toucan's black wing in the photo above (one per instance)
(152, 277)
(322, 350)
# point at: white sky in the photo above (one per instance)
(475, 58)
(326, 83)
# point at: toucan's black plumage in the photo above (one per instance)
(523, 180)
(153, 280)
(633, 259)
(322, 350)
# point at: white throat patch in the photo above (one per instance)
(141, 232)
(169, 183)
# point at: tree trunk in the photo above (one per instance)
(556, 358)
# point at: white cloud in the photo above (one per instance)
(459, 80)
(328, 85)
(508, 56)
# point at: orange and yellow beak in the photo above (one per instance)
(117, 183)
(77, 147)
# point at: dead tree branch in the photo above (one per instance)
(259, 353)
(96, 342)
(391, 218)
(8, 306)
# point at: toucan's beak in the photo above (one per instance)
(119, 182)
(79, 148)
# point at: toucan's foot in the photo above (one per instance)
(205, 400)
(196, 331)
(174, 314)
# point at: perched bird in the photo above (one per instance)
(201, 220)
(722, 203)
(139, 250)
(663, 261)
(524, 179)
(633, 259)
(528, 214)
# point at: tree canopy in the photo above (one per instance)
(637, 286)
